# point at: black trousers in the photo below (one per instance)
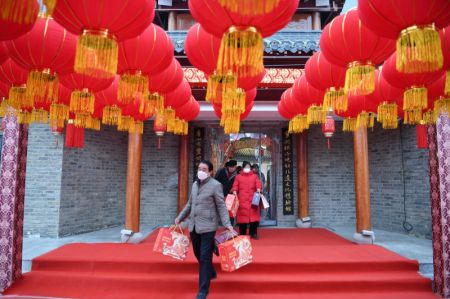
(203, 245)
(253, 228)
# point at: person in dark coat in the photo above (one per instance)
(226, 176)
(244, 187)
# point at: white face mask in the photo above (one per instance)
(247, 170)
(202, 175)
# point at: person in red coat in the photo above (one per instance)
(245, 185)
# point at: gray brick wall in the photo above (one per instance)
(43, 182)
(93, 183)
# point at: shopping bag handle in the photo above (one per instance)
(174, 228)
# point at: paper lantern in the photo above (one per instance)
(347, 42)
(54, 56)
(111, 108)
(168, 79)
(438, 98)
(148, 53)
(305, 93)
(250, 7)
(413, 23)
(15, 77)
(360, 113)
(19, 11)
(59, 111)
(100, 28)
(387, 97)
(323, 75)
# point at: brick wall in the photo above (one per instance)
(43, 182)
(93, 183)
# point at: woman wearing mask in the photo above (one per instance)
(205, 206)
(245, 185)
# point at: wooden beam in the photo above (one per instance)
(362, 180)
(133, 191)
(302, 175)
(183, 172)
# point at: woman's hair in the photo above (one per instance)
(208, 163)
(245, 163)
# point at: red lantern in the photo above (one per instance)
(413, 23)
(54, 56)
(100, 27)
(328, 128)
(149, 53)
(387, 97)
(108, 99)
(74, 135)
(347, 42)
(323, 75)
(307, 95)
(59, 111)
(421, 136)
(438, 97)
(168, 79)
(189, 111)
(17, 17)
(15, 77)
(360, 113)
(415, 97)
(3, 52)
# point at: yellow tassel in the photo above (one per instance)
(390, 124)
(136, 127)
(442, 105)
(234, 100)
(231, 121)
(337, 100)
(447, 83)
(185, 128)
(18, 98)
(241, 52)
(96, 54)
(219, 87)
(17, 11)
(39, 116)
(250, 7)
(159, 101)
(130, 85)
(419, 50)
(299, 124)
(428, 118)
(349, 124)
(42, 87)
(360, 78)
(111, 115)
(415, 97)
(59, 112)
(387, 115)
(50, 6)
(24, 117)
(170, 118)
(365, 120)
(125, 123)
(412, 116)
(147, 106)
(94, 124)
(316, 115)
(56, 123)
(82, 101)
(82, 120)
(3, 108)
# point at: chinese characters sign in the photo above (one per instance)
(199, 149)
(288, 193)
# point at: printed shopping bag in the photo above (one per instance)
(225, 236)
(232, 203)
(256, 199)
(235, 253)
(172, 243)
(264, 201)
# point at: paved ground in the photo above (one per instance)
(405, 245)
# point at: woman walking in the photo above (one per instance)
(245, 185)
(205, 206)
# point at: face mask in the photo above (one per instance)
(247, 170)
(202, 175)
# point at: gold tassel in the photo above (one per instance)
(24, 117)
(299, 124)
(82, 120)
(147, 106)
(185, 128)
(337, 100)
(59, 112)
(159, 101)
(316, 115)
(415, 97)
(50, 6)
(220, 86)
(291, 126)
(42, 87)
(82, 101)
(17, 11)
(3, 108)
(428, 118)
(111, 115)
(442, 105)
(18, 98)
(136, 127)
(39, 116)
(96, 54)
(250, 7)
(412, 116)
(387, 115)
(170, 118)
(231, 121)
(365, 120)
(56, 123)
(234, 100)
(349, 124)
(419, 50)
(94, 124)
(360, 78)
(130, 85)
(125, 123)
(241, 52)
(447, 83)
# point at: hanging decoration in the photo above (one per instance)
(438, 99)
(305, 93)
(347, 42)
(250, 7)
(97, 47)
(15, 77)
(74, 135)
(414, 23)
(17, 18)
(107, 98)
(445, 42)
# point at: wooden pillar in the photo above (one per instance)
(362, 180)
(183, 172)
(302, 175)
(317, 24)
(172, 23)
(133, 195)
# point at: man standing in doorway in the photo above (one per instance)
(226, 177)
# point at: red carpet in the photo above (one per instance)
(288, 263)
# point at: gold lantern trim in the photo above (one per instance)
(360, 78)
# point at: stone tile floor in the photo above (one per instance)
(403, 244)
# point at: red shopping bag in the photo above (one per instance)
(232, 203)
(172, 243)
(235, 253)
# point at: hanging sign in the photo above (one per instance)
(199, 148)
(288, 190)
